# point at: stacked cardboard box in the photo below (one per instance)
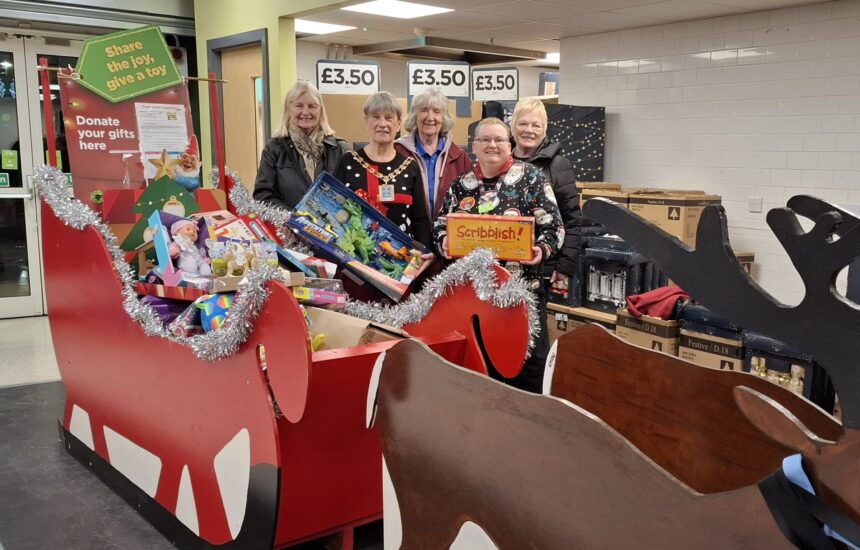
(648, 332)
(675, 212)
(563, 319)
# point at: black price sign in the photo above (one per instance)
(500, 84)
(347, 77)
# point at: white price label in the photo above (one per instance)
(344, 77)
(451, 78)
(502, 84)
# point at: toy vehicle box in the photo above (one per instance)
(510, 237)
(362, 241)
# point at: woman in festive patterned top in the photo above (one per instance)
(502, 186)
(390, 182)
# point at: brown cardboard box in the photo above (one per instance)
(344, 331)
(747, 259)
(675, 212)
(648, 332)
(711, 351)
(563, 319)
(597, 185)
(621, 196)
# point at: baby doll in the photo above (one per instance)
(191, 259)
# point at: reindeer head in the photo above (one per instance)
(832, 465)
(824, 325)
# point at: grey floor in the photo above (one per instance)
(47, 499)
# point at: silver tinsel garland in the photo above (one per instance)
(211, 346)
(476, 269)
(223, 342)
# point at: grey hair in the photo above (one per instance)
(300, 88)
(430, 98)
(382, 102)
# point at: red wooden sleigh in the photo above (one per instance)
(196, 446)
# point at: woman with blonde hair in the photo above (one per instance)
(528, 125)
(301, 147)
(429, 142)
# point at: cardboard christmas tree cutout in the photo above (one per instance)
(163, 194)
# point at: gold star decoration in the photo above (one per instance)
(165, 166)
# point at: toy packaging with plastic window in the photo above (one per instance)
(344, 228)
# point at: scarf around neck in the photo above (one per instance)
(310, 146)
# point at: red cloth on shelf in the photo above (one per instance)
(659, 302)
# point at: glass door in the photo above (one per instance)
(22, 148)
(20, 266)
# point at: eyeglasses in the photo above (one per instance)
(497, 141)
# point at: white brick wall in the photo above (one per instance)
(762, 104)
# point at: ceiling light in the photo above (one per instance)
(553, 57)
(395, 8)
(315, 27)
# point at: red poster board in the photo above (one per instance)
(110, 148)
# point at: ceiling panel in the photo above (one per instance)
(679, 9)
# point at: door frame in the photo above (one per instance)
(214, 48)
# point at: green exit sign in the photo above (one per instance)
(4, 179)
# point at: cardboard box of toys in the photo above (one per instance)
(343, 227)
(709, 350)
(675, 212)
(648, 332)
(563, 319)
(332, 330)
(510, 237)
(617, 194)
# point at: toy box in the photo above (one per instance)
(349, 231)
(510, 237)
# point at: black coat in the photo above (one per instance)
(560, 173)
(282, 179)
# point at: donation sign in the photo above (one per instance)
(451, 78)
(347, 77)
(499, 84)
(127, 64)
(121, 136)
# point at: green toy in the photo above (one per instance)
(392, 269)
(355, 237)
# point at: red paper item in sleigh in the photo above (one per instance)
(184, 293)
(118, 206)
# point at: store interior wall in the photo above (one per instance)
(764, 104)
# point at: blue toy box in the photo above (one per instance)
(344, 228)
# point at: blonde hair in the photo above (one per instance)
(382, 102)
(528, 105)
(430, 98)
(490, 121)
(300, 88)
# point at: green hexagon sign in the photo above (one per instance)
(127, 64)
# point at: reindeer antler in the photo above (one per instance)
(824, 325)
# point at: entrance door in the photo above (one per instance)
(22, 147)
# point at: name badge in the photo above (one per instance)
(386, 193)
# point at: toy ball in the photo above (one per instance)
(214, 309)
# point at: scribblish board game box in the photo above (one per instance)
(346, 229)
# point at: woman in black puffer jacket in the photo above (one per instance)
(301, 148)
(528, 126)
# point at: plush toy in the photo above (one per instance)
(189, 258)
(214, 309)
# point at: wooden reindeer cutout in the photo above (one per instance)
(678, 414)
(540, 472)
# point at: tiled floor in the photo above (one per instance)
(47, 499)
(26, 352)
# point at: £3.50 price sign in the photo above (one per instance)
(347, 77)
(499, 84)
(451, 78)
